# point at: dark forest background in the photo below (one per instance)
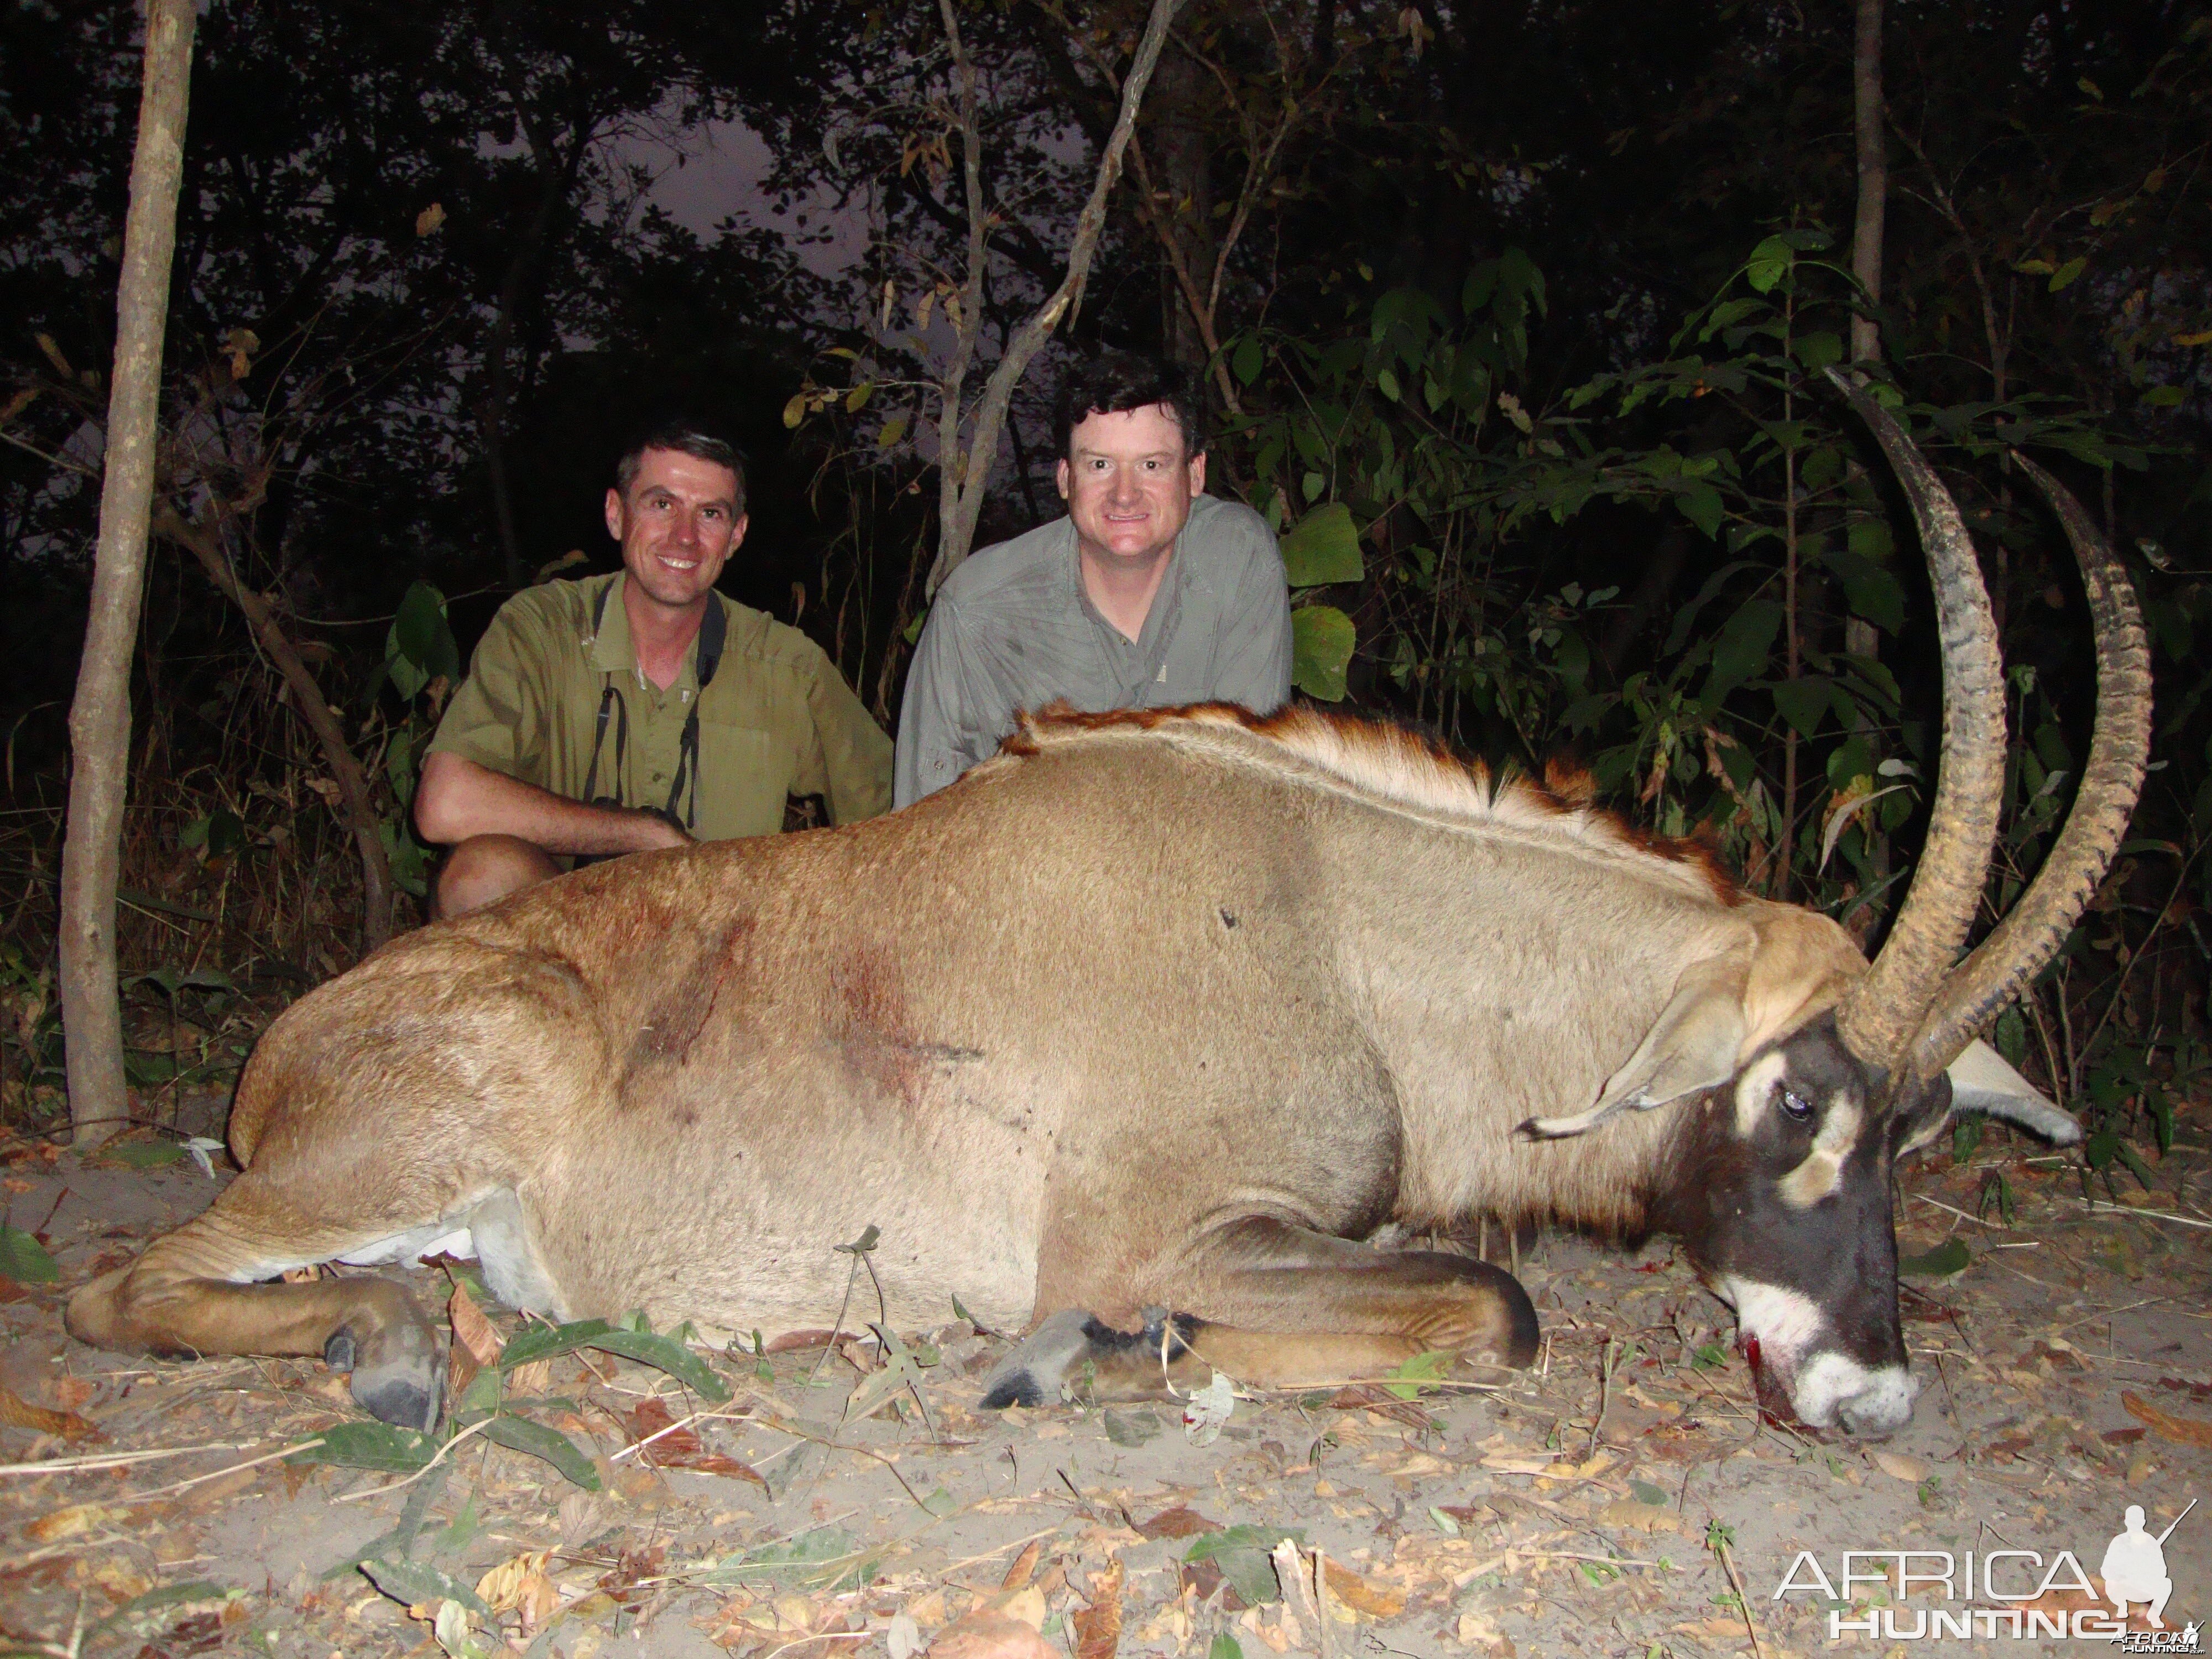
(1512, 317)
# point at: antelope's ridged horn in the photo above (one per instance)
(2119, 753)
(1884, 1010)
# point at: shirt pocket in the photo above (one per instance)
(745, 777)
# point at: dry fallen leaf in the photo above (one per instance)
(69, 1522)
(1022, 1570)
(19, 1412)
(528, 1382)
(471, 1330)
(1366, 1595)
(680, 1449)
(1026, 1605)
(992, 1635)
(2183, 1430)
(501, 1588)
(1898, 1467)
(1098, 1627)
(1644, 1517)
(583, 1514)
(1181, 1522)
(675, 1446)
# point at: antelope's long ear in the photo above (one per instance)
(1692, 1045)
(1981, 1081)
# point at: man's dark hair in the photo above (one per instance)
(1122, 381)
(685, 438)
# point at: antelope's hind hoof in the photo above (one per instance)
(397, 1374)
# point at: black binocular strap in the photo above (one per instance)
(714, 631)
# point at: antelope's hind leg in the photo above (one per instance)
(1281, 1306)
(190, 1294)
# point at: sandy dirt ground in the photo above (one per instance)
(1622, 1499)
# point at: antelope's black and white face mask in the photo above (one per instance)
(1787, 1217)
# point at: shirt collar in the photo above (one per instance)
(1165, 599)
(612, 653)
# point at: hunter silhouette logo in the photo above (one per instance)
(2134, 1567)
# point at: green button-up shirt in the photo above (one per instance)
(776, 720)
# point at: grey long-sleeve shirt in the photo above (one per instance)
(1013, 630)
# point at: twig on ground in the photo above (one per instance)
(217, 1474)
(119, 1460)
(1719, 1537)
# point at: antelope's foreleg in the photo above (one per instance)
(1277, 1305)
(183, 1299)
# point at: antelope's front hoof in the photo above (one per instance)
(398, 1374)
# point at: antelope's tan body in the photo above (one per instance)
(1138, 1034)
(1047, 1032)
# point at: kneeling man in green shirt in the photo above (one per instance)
(1148, 594)
(640, 710)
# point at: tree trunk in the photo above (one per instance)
(1861, 636)
(1180, 91)
(1873, 175)
(358, 811)
(100, 717)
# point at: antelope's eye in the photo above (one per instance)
(1799, 1107)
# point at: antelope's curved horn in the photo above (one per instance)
(1878, 1019)
(2119, 752)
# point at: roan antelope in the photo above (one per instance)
(1138, 1035)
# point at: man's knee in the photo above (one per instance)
(484, 869)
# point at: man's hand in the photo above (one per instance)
(458, 800)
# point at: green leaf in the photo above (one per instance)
(2162, 397)
(2063, 277)
(1429, 1367)
(892, 430)
(1250, 359)
(142, 1154)
(1323, 547)
(401, 1540)
(368, 1445)
(520, 1434)
(1224, 1647)
(1802, 701)
(1387, 383)
(421, 639)
(1321, 643)
(23, 1259)
(1871, 591)
(1243, 1554)
(1945, 1258)
(1816, 351)
(1701, 504)
(1645, 1492)
(416, 1584)
(662, 1352)
(1746, 642)
(1768, 264)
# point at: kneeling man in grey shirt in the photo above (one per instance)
(1149, 593)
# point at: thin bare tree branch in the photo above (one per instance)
(964, 473)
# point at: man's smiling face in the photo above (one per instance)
(677, 524)
(1129, 483)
